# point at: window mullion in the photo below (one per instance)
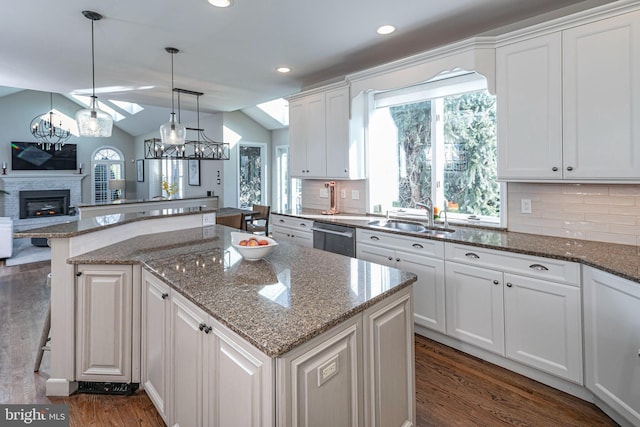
(438, 152)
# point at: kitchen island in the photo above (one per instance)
(302, 337)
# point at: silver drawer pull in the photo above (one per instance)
(538, 267)
(471, 255)
(418, 246)
(302, 224)
(374, 238)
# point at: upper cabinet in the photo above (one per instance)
(319, 137)
(568, 103)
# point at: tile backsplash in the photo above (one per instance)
(600, 212)
(311, 189)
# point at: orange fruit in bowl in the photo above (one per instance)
(263, 242)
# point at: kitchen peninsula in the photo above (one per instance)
(170, 304)
(128, 206)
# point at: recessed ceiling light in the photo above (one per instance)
(283, 70)
(386, 29)
(220, 3)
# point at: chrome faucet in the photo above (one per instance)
(446, 220)
(428, 205)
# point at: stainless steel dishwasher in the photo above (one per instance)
(338, 239)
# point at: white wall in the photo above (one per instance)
(18, 109)
(238, 127)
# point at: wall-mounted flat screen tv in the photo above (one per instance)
(29, 156)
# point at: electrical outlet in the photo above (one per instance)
(355, 195)
(208, 219)
(525, 206)
(343, 194)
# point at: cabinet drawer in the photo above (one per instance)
(292, 222)
(527, 265)
(416, 245)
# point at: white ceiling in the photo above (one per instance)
(229, 54)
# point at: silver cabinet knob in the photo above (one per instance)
(569, 168)
(555, 169)
(496, 282)
(509, 285)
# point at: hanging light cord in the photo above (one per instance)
(93, 65)
(172, 108)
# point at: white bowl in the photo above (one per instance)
(252, 253)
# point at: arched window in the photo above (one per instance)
(107, 163)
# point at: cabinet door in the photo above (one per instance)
(428, 291)
(187, 354)
(474, 306)
(104, 296)
(297, 138)
(602, 99)
(389, 381)
(156, 310)
(612, 341)
(529, 108)
(316, 137)
(240, 382)
(543, 325)
(337, 134)
(302, 238)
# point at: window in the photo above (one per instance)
(107, 164)
(252, 171)
(436, 140)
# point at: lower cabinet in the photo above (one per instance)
(524, 317)
(612, 342)
(197, 372)
(107, 339)
(419, 256)
(290, 229)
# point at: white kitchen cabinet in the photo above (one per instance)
(156, 312)
(188, 368)
(529, 108)
(543, 325)
(564, 97)
(475, 306)
(291, 229)
(307, 136)
(422, 257)
(602, 98)
(319, 135)
(216, 379)
(522, 307)
(612, 342)
(105, 320)
(389, 371)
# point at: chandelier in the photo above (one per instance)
(199, 146)
(172, 132)
(44, 129)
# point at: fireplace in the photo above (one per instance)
(44, 203)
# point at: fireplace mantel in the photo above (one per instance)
(14, 183)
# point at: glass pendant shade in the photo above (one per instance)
(172, 132)
(93, 122)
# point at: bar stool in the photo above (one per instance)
(46, 329)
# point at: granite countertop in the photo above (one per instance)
(276, 303)
(134, 201)
(621, 260)
(88, 225)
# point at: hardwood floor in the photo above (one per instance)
(452, 388)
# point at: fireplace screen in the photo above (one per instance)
(44, 203)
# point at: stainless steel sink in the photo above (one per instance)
(410, 227)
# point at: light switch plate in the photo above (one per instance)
(343, 194)
(324, 193)
(355, 195)
(208, 219)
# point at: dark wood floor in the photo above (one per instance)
(453, 389)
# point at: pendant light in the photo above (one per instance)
(92, 121)
(172, 132)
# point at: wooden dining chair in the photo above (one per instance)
(234, 221)
(259, 223)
